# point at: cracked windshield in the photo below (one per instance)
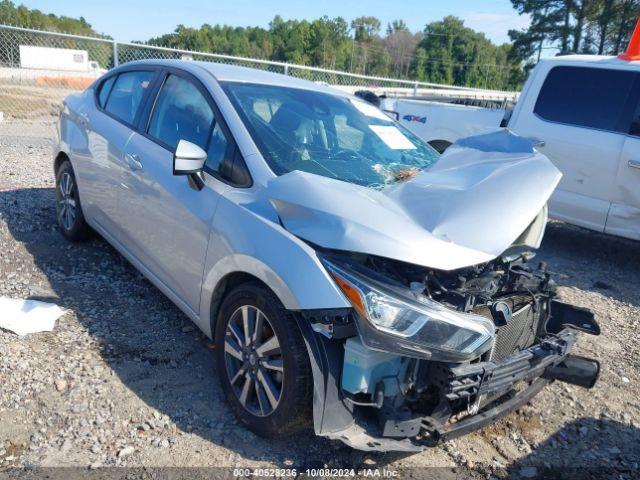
(329, 135)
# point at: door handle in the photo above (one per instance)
(634, 164)
(133, 160)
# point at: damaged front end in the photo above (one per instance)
(427, 355)
(451, 325)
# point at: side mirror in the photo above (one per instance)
(189, 158)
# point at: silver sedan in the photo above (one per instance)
(350, 275)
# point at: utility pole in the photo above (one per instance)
(115, 54)
(353, 48)
(364, 63)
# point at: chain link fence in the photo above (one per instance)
(39, 69)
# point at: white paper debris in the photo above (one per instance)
(393, 137)
(369, 110)
(28, 316)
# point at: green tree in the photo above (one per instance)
(455, 54)
(366, 28)
(572, 26)
(624, 21)
(25, 17)
(419, 67)
(396, 26)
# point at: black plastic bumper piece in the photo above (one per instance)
(488, 379)
(540, 364)
(575, 370)
(481, 419)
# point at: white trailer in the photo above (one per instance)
(57, 59)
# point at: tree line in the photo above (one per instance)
(445, 51)
(21, 16)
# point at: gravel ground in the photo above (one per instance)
(126, 380)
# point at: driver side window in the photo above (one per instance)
(181, 113)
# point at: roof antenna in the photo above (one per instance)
(633, 49)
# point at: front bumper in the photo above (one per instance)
(488, 389)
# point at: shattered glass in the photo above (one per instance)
(328, 135)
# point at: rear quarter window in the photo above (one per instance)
(104, 89)
(585, 97)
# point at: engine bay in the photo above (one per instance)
(468, 288)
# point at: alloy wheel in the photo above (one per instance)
(253, 359)
(66, 202)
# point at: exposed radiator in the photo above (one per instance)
(521, 328)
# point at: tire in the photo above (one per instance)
(69, 214)
(254, 367)
(440, 145)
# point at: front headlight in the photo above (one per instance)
(412, 325)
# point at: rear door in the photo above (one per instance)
(624, 215)
(166, 220)
(576, 116)
(109, 128)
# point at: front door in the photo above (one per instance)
(166, 220)
(109, 128)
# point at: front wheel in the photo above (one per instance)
(68, 210)
(262, 362)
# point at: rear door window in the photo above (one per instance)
(585, 97)
(127, 94)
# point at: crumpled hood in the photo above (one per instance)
(467, 208)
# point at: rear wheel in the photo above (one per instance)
(68, 210)
(263, 363)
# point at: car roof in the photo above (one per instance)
(233, 73)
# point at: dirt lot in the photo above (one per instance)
(29, 100)
(126, 380)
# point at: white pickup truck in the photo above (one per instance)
(583, 112)
(441, 121)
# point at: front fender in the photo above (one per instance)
(243, 241)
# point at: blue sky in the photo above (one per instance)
(129, 20)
